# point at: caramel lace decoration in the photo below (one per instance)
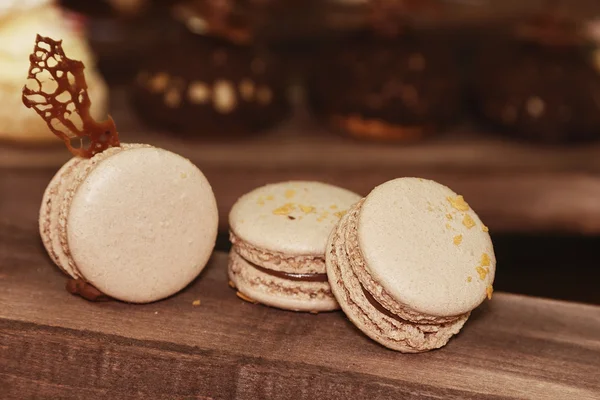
(66, 109)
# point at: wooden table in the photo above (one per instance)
(514, 187)
(55, 345)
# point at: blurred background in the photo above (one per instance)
(498, 99)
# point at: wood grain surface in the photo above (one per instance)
(514, 187)
(54, 345)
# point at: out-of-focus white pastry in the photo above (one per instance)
(20, 21)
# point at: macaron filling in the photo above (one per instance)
(276, 261)
(292, 276)
(291, 291)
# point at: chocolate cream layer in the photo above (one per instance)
(291, 276)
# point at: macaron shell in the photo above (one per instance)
(378, 293)
(393, 333)
(49, 213)
(142, 224)
(71, 186)
(294, 218)
(278, 292)
(427, 249)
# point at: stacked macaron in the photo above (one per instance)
(409, 262)
(279, 233)
(20, 21)
(135, 222)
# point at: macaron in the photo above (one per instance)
(409, 262)
(279, 233)
(137, 223)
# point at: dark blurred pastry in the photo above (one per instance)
(541, 84)
(208, 85)
(391, 83)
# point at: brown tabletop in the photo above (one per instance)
(55, 345)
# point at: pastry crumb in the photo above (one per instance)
(196, 303)
(485, 228)
(489, 290)
(314, 312)
(458, 202)
(468, 221)
(457, 239)
(231, 284)
(245, 298)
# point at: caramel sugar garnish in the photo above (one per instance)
(307, 209)
(458, 202)
(340, 214)
(469, 279)
(485, 260)
(457, 239)
(284, 209)
(482, 272)
(449, 216)
(48, 58)
(489, 290)
(485, 228)
(468, 221)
